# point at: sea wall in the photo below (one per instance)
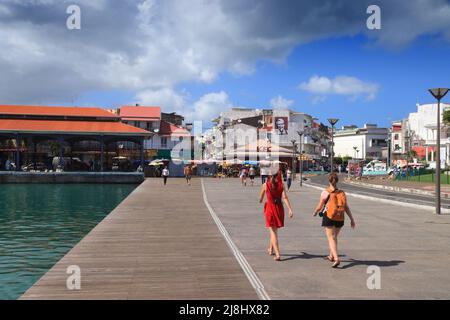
(71, 177)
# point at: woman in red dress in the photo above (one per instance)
(274, 210)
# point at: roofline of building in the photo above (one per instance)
(91, 133)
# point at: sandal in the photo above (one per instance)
(336, 264)
(278, 258)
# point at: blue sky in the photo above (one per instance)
(403, 76)
(199, 58)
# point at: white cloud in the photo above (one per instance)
(210, 106)
(340, 85)
(166, 98)
(280, 103)
(148, 45)
(205, 108)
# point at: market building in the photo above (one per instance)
(67, 138)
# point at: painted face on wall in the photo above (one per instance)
(281, 126)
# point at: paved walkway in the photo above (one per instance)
(165, 245)
(160, 243)
(410, 246)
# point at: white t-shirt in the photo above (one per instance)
(165, 172)
(288, 173)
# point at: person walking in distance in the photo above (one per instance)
(274, 210)
(165, 174)
(188, 174)
(333, 206)
(252, 174)
(243, 176)
(288, 178)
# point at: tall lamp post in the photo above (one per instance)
(333, 122)
(438, 93)
(293, 159)
(388, 160)
(300, 134)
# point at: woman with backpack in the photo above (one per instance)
(274, 210)
(333, 206)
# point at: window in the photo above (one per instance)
(396, 136)
(163, 142)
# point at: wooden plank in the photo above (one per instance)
(159, 243)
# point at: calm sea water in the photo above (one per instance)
(39, 224)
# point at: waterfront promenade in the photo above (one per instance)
(159, 243)
(162, 243)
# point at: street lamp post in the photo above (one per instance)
(355, 148)
(333, 122)
(293, 159)
(438, 93)
(203, 147)
(300, 134)
(388, 160)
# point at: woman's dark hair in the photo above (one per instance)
(274, 180)
(333, 178)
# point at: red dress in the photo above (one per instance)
(274, 212)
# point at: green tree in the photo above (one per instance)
(411, 155)
(345, 160)
(446, 117)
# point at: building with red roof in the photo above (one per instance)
(29, 134)
(166, 135)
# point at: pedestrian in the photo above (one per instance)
(288, 178)
(264, 173)
(243, 176)
(274, 210)
(188, 174)
(8, 165)
(165, 174)
(333, 205)
(252, 174)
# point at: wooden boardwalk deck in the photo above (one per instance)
(159, 243)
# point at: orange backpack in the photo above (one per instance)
(337, 203)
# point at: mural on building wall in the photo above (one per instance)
(281, 126)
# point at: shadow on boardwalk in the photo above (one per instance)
(351, 262)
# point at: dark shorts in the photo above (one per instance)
(327, 222)
(252, 177)
(188, 177)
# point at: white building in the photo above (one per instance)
(254, 127)
(361, 143)
(421, 127)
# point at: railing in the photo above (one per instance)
(422, 175)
